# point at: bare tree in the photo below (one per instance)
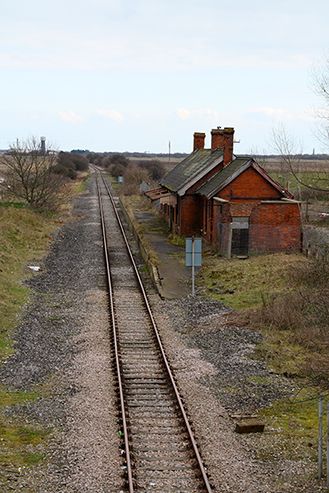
(292, 162)
(29, 175)
(321, 88)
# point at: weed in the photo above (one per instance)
(176, 240)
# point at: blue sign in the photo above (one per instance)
(193, 248)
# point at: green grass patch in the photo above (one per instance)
(15, 397)
(295, 422)
(245, 284)
(15, 205)
(281, 353)
(18, 444)
(113, 181)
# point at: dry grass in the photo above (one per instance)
(301, 316)
(286, 298)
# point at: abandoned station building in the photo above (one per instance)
(229, 200)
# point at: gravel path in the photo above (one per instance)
(63, 345)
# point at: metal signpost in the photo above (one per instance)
(320, 430)
(193, 256)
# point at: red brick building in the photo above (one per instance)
(230, 200)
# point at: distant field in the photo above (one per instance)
(270, 164)
(275, 164)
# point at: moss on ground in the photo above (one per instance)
(16, 397)
(20, 443)
(294, 422)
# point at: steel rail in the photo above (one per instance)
(163, 354)
(116, 349)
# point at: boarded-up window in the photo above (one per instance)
(240, 236)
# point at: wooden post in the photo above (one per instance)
(229, 241)
(193, 268)
(320, 437)
(327, 444)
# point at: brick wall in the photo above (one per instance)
(190, 217)
(275, 227)
(249, 185)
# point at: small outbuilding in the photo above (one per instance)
(230, 200)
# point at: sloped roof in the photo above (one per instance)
(191, 169)
(232, 171)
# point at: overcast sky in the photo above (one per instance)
(132, 75)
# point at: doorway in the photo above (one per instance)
(240, 236)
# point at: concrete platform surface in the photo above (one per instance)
(175, 278)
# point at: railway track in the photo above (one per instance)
(161, 454)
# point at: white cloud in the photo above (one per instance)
(183, 114)
(111, 114)
(277, 113)
(71, 117)
(186, 114)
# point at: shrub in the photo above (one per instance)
(155, 168)
(29, 175)
(133, 177)
(303, 311)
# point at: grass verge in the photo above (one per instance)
(25, 236)
(246, 284)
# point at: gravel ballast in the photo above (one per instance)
(63, 346)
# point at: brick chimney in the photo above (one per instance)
(198, 140)
(222, 138)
